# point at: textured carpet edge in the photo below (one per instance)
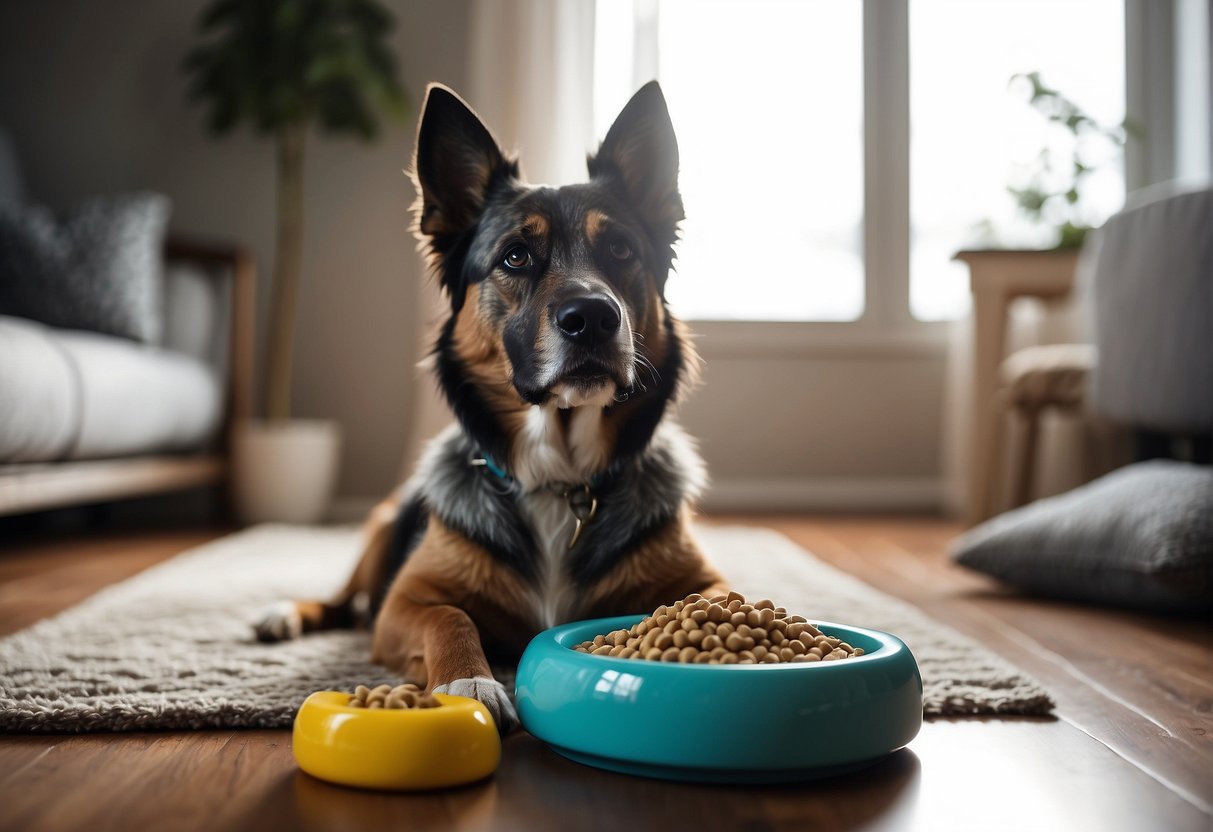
(1000, 690)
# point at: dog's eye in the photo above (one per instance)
(517, 258)
(620, 250)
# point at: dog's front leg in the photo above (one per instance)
(438, 644)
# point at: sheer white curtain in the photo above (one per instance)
(531, 71)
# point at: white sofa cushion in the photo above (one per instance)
(67, 394)
(39, 394)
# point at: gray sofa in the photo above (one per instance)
(91, 417)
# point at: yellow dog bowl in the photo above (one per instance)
(427, 748)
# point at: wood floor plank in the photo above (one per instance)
(960, 775)
(1138, 684)
(1129, 752)
(42, 577)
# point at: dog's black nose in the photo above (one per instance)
(588, 320)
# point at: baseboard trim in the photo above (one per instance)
(860, 494)
(825, 494)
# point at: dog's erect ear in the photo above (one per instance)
(457, 161)
(640, 148)
(457, 165)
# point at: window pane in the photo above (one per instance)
(974, 134)
(767, 100)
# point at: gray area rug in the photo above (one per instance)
(171, 648)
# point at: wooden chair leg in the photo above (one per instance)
(994, 498)
(1025, 468)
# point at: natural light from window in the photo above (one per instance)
(767, 100)
(973, 133)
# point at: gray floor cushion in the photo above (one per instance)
(1140, 537)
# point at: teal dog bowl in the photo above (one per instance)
(719, 723)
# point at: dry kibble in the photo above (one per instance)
(386, 697)
(723, 629)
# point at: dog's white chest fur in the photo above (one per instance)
(547, 455)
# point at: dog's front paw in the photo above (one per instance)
(279, 622)
(490, 693)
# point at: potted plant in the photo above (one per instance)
(283, 67)
(1050, 191)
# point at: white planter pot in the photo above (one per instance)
(285, 472)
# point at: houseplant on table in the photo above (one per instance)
(1050, 191)
(285, 66)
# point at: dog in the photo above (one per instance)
(564, 490)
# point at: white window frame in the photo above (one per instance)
(887, 325)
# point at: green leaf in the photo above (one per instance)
(275, 63)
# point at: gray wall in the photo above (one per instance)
(94, 98)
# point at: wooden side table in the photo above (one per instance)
(997, 277)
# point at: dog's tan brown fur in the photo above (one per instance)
(453, 599)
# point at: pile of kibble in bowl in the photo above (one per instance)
(723, 629)
(385, 696)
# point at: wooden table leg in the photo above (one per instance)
(989, 332)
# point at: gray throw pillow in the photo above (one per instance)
(1139, 537)
(97, 268)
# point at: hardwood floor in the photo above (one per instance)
(1129, 750)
